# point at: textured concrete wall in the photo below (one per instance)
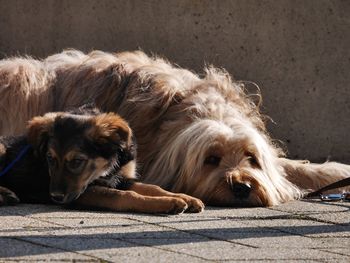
(297, 51)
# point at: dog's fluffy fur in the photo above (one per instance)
(81, 158)
(202, 136)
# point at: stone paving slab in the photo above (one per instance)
(336, 218)
(312, 207)
(298, 231)
(20, 249)
(257, 254)
(303, 227)
(341, 251)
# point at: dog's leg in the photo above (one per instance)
(311, 176)
(7, 197)
(118, 200)
(195, 205)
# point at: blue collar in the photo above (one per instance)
(18, 158)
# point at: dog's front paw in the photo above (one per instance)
(195, 205)
(7, 197)
(178, 206)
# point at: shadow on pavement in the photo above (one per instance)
(48, 243)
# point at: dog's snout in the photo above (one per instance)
(241, 190)
(57, 197)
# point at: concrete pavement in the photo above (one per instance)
(297, 231)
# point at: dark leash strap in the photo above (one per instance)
(14, 161)
(341, 183)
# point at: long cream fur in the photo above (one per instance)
(182, 123)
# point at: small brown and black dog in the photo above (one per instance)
(83, 158)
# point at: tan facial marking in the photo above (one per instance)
(101, 164)
(52, 152)
(87, 175)
(129, 169)
(2, 149)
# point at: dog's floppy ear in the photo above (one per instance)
(111, 128)
(38, 130)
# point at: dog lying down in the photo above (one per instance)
(85, 159)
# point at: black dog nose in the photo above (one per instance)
(57, 197)
(241, 190)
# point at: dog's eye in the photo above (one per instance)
(253, 161)
(212, 160)
(50, 159)
(76, 164)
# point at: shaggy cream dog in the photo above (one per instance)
(202, 136)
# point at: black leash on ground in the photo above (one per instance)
(332, 197)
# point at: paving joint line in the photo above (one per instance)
(160, 248)
(333, 252)
(54, 260)
(53, 247)
(307, 217)
(201, 235)
(278, 259)
(53, 223)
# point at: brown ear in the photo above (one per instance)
(38, 129)
(110, 127)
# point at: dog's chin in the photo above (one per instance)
(68, 198)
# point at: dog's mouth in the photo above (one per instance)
(65, 198)
(62, 198)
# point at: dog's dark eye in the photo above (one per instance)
(253, 161)
(76, 164)
(212, 160)
(50, 159)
